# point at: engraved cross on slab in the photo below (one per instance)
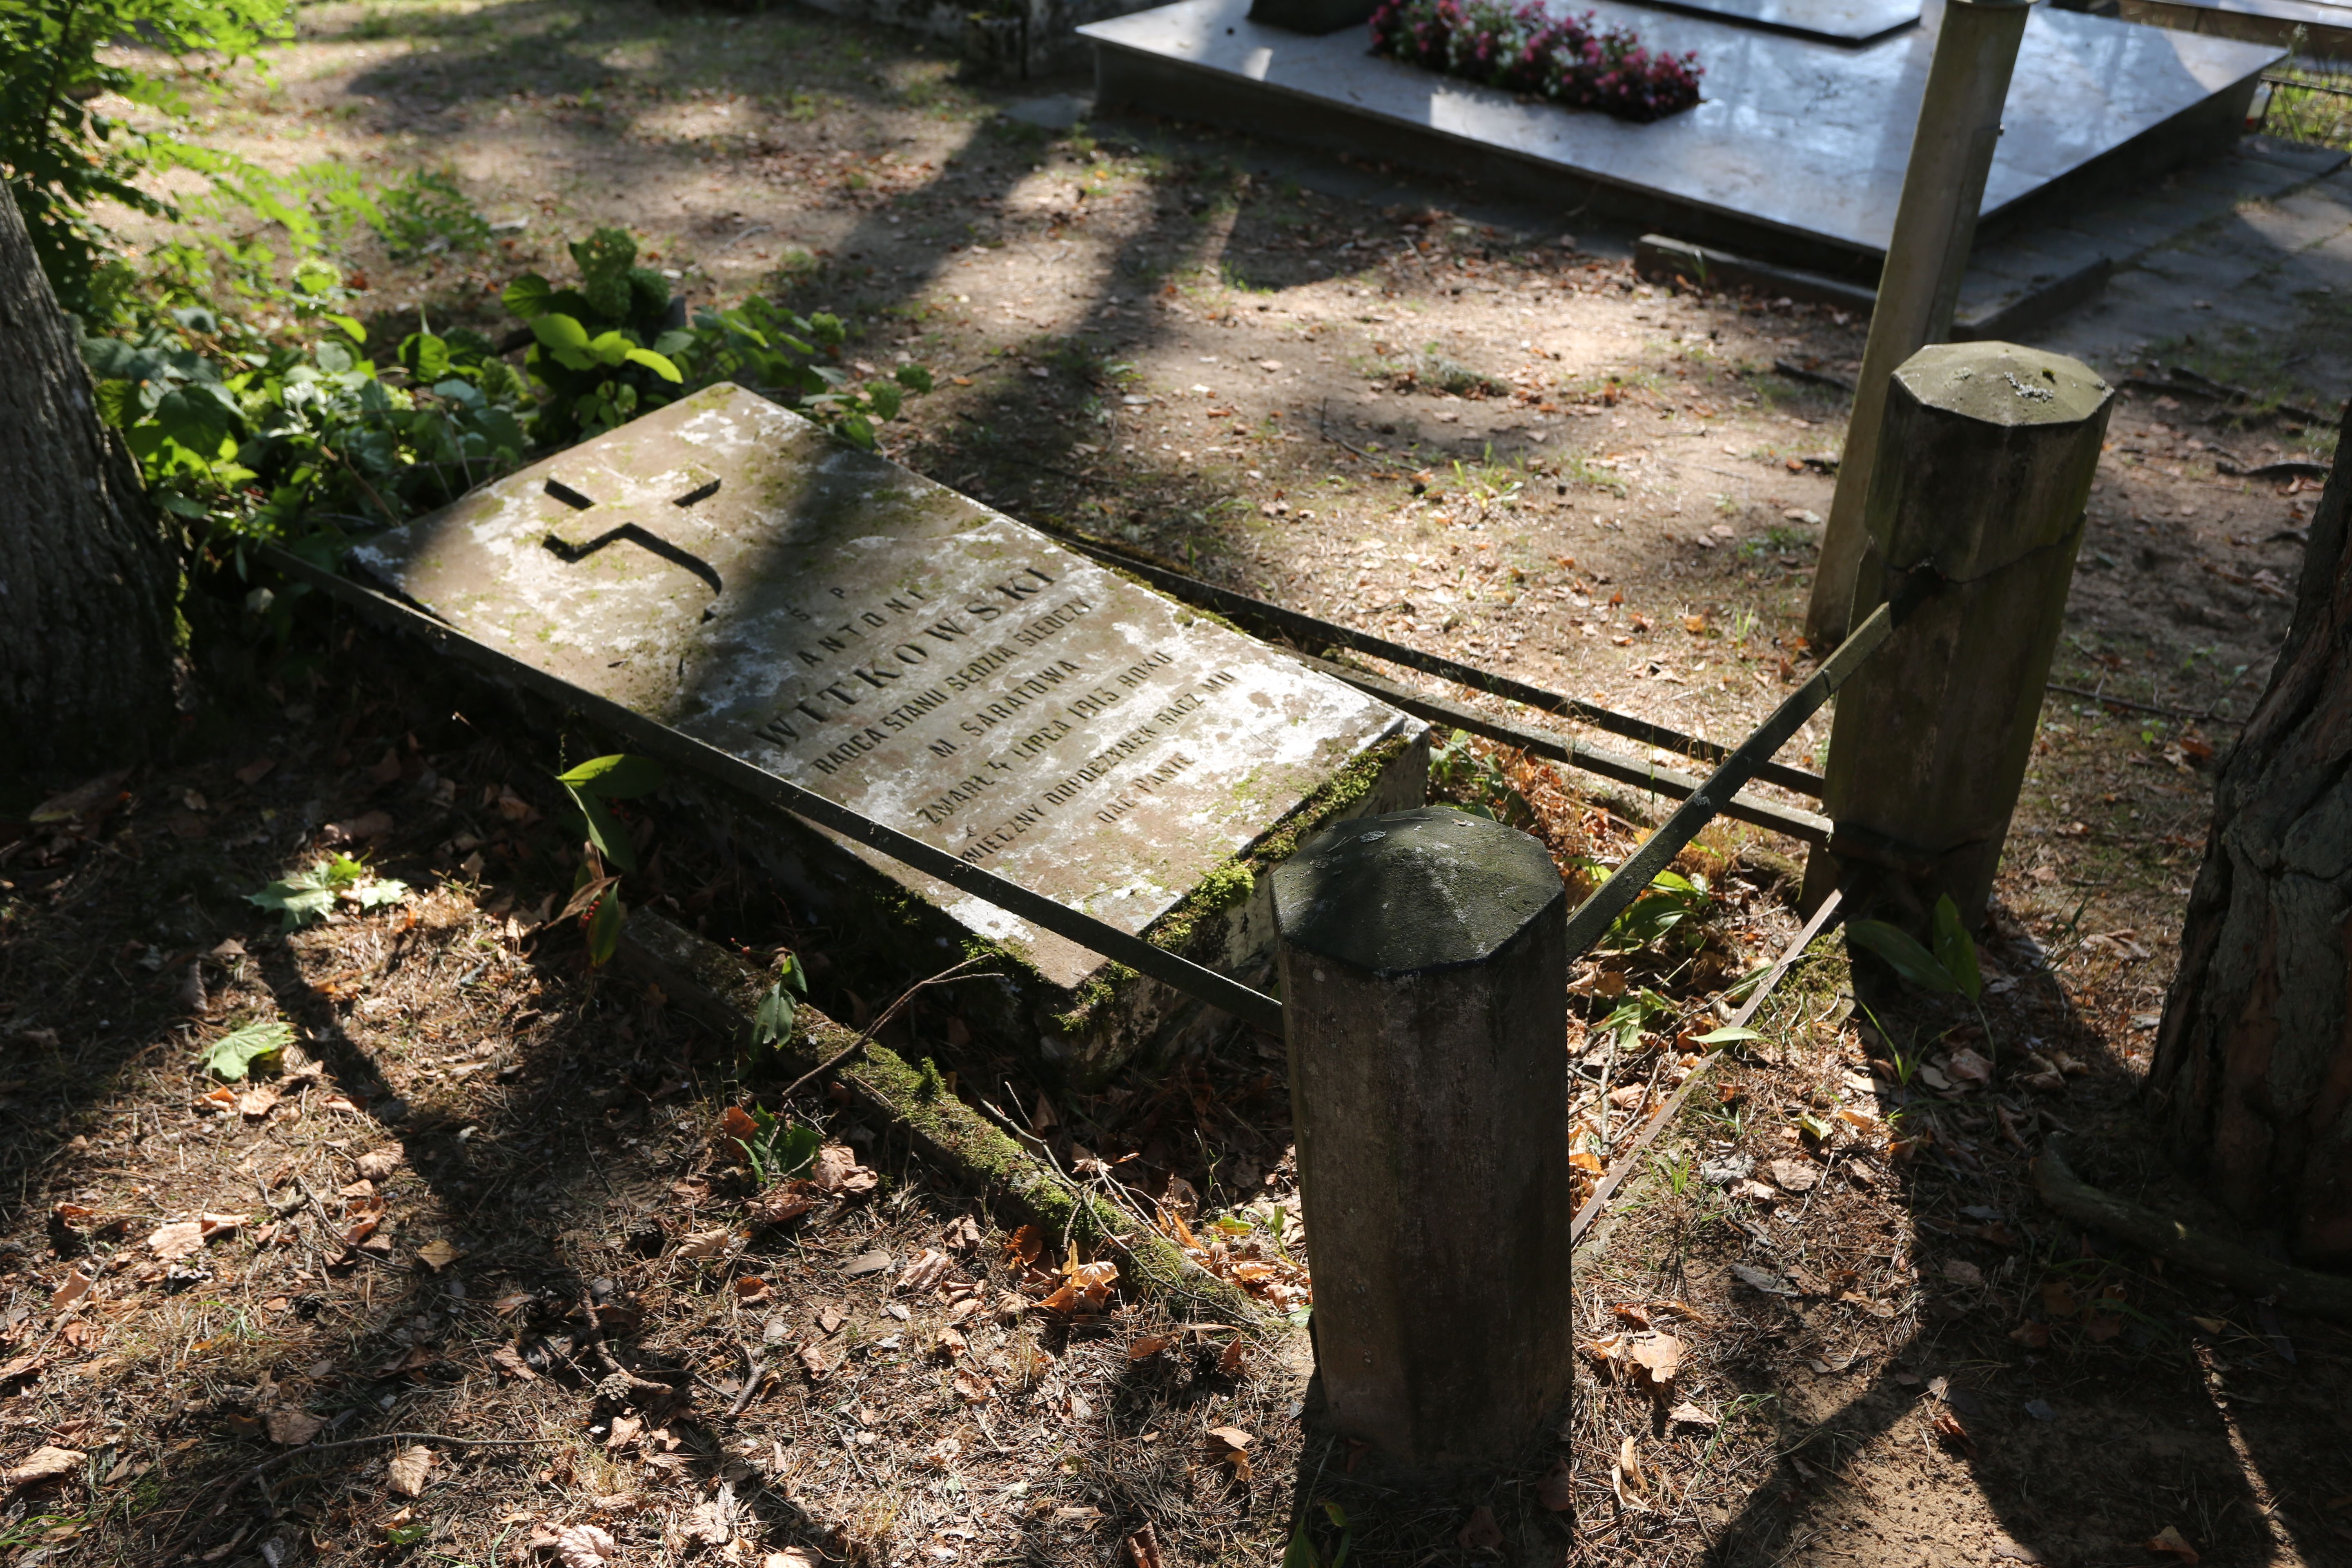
(592, 525)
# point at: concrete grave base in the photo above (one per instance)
(1796, 154)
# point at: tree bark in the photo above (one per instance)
(87, 573)
(2253, 1074)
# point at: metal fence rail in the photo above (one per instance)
(1718, 794)
(1314, 635)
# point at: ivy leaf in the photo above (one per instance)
(232, 1056)
(914, 378)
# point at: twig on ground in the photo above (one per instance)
(643, 1388)
(945, 976)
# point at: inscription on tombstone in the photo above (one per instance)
(726, 568)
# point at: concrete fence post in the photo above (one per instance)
(1926, 253)
(1984, 466)
(1425, 983)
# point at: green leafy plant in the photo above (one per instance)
(1667, 910)
(1634, 1014)
(771, 1023)
(616, 777)
(267, 434)
(63, 158)
(427, 213)
(1468, 781)
(778, 1149)
(614, 346)
(767, 348)
(1301, 1551)
(1950, 968)
(602, 350)
(306, 895)
(595, 895)
(233, 1055)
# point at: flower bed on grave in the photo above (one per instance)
(1527, 49)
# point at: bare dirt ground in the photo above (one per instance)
(1400, 406)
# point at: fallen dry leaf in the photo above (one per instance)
(923, 1271)
(1795, 1175)
(963, 1234)
(2171, 1542)
(624, 1431)
(790, 1557)
(378, 1163)
(1968, 1067)
(836, 1169)
(1024, 1246)
(1555, 1491)
(712, 1243)
(1149, 1345)
(438, 1255)
(584, 1546)
(778, 1206)
(404, 1472)
(1229, 1361)
(1660, 1357)
(1629, 1465)
(1691, 1415)
(813, 1360)
(43, 1464)
(1143, 1547)
(508, 1360)
(177, 1239)
(1481, 1533)
(292, 1427)
(72, 1289)
(974, 1388)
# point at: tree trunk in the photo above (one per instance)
(2253, 1064)
(88, 575)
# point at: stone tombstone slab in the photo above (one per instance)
(733, 571)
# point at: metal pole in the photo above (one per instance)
(1919, 285)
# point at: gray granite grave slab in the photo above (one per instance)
(1797, 152)
(729, 570)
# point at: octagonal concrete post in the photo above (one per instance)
(1984, 469)
(1425, 983)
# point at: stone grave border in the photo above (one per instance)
(722, 993)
